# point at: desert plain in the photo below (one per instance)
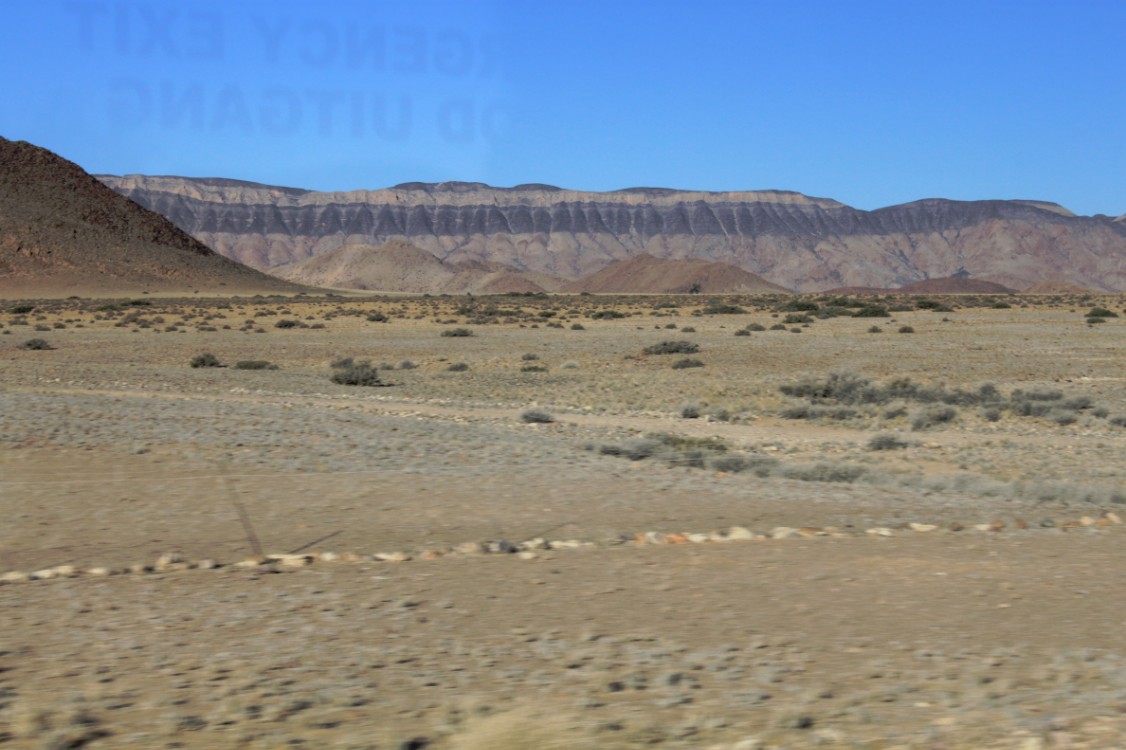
(549, 521)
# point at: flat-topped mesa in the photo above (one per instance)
(793, 240)
(444, 193)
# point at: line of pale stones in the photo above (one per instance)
(532, 548)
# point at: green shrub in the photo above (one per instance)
(533, 416)
(21, 309)
(1101, 312)
(742, 332)
(875, 329)
(872, 311)
(906, 329)
(683, 364)
(756, 327)
(606, 315)
(287, 323)
(672, 347)
(577, 327)
(458, 367)
(207, 359)
(360, 373)
(456, 333)
(377, 317)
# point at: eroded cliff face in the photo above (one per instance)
(799, 242)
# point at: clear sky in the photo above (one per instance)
(871, 103)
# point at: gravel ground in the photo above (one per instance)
(113, 452)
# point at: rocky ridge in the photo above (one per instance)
(793, 240)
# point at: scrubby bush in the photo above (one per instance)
(742, 332)
(207, 359)
(255, 364)
(886, 442)
(872, 311)
(756, 327)
(672, 347)
(824, 472)
(875, 329)
(36, 345)
(360, 373)
(722, 309)
(456, 333)
(932, 416)
(458, 367)
(21, 309)
(287, 323)
(533, 416)
(686, 363)
(577, 327)
(690, 411)
(377, 317)
(906, 329)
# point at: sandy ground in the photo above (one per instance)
(993, 622)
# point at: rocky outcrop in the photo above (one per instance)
(799, 242)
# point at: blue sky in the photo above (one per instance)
(871, 103)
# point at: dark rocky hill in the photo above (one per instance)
(62, 230)
(798, 242)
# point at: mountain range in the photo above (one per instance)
(552, 237)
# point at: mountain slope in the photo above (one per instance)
(796, 241)
(62, 230)
(644, 273)
(400, 267)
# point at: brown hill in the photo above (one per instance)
(401, 267)
(64, 232)
(1056, 286)
(954, 285)
(644, 274)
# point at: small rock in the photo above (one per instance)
(1113, 517)
(784, 532)
(740, 533)
(291, 561)
(207, 564)
(329, 557)
(167, 559)
(880, 531)
(922, 528)
(527, 555)
(98, 572)
(14, 576)
(392, 556)
(698, 538)
(470, 548)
